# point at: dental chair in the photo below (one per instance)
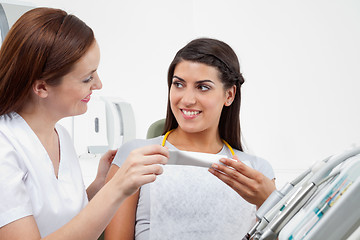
(156, 129)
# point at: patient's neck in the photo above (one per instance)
(206, 141)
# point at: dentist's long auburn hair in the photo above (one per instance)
(220, 55)
(43, 44)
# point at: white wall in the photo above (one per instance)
(300, 59)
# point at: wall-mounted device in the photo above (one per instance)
(108, 123)
(9, 13)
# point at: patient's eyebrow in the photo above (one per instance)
(197, 82)
(179, 78)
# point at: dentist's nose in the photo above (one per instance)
(97, 82)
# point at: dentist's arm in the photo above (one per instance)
(250, 184)
(141, 167)
(122, 225)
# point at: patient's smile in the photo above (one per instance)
(190, 113)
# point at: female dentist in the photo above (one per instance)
(48, 64)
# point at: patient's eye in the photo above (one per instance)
(178, 84)
(203, 87)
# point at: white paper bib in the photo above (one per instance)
(188, 202)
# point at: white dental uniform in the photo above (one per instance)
(28, 184)
(187, 202)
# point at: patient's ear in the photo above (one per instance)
(40, 88)
(230, 95)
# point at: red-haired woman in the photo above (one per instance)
(48, 70)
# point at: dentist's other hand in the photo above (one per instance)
(103, 169)
(104, 165)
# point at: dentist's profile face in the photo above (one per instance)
(71, 96)
(197, 96)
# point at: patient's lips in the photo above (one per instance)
(189, 113)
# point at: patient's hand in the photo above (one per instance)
(250, 184)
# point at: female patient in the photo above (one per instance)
(48, 65)
(188, 202)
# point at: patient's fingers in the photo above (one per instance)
(236, 170)
(251, 184)
(240, 167)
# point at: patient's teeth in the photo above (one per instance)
(190, 113)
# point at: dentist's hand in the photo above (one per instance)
(141, 167)
(250, 184)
